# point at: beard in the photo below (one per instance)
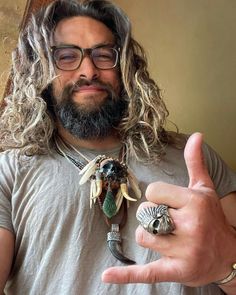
(89, 121)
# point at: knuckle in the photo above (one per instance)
(150, 276)
(152, 188)
(201, 200)
(145, 239)
(130, 278)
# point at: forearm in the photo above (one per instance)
(3, 279)
(6, 256)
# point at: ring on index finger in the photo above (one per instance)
(156, 220)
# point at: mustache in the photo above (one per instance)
(74, 87)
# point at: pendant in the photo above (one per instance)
(114, 245)
(109, 181)
(109, 205)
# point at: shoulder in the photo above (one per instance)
(9, 157)
(222, 176)
(213, 160)
(16, 160)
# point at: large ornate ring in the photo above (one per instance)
(156, 220)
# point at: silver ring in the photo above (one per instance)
(156, 220)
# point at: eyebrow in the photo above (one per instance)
(105, 44)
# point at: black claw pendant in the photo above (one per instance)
(114, 244)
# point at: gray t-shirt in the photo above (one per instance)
(60, 245)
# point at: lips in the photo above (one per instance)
(90, 89)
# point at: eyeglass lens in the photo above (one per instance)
(69, 58)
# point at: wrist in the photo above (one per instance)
(229, 277)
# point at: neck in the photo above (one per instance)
(106, 143)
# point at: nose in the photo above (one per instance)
(87, 69)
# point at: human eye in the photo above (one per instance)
(104, 54)
(66, 55)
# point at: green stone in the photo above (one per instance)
(109, 205)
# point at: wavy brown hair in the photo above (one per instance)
(26, 120)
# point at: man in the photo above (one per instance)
(83, 121)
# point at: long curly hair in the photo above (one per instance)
(26, 119)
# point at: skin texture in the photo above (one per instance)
(85, 32)
(203, 233)
(6, 256)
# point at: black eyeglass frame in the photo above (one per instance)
(85, 52)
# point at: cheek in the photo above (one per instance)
(58, 85)
(57, 89)
(113, 78)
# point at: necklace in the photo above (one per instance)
(109, 180)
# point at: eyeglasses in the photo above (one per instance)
(69, 57)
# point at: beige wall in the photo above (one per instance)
(10, 17)
(192, 54)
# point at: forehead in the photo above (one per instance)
(82, 31)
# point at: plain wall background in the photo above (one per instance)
(191, 48)
(11, 13)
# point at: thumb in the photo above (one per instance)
(194, 159)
